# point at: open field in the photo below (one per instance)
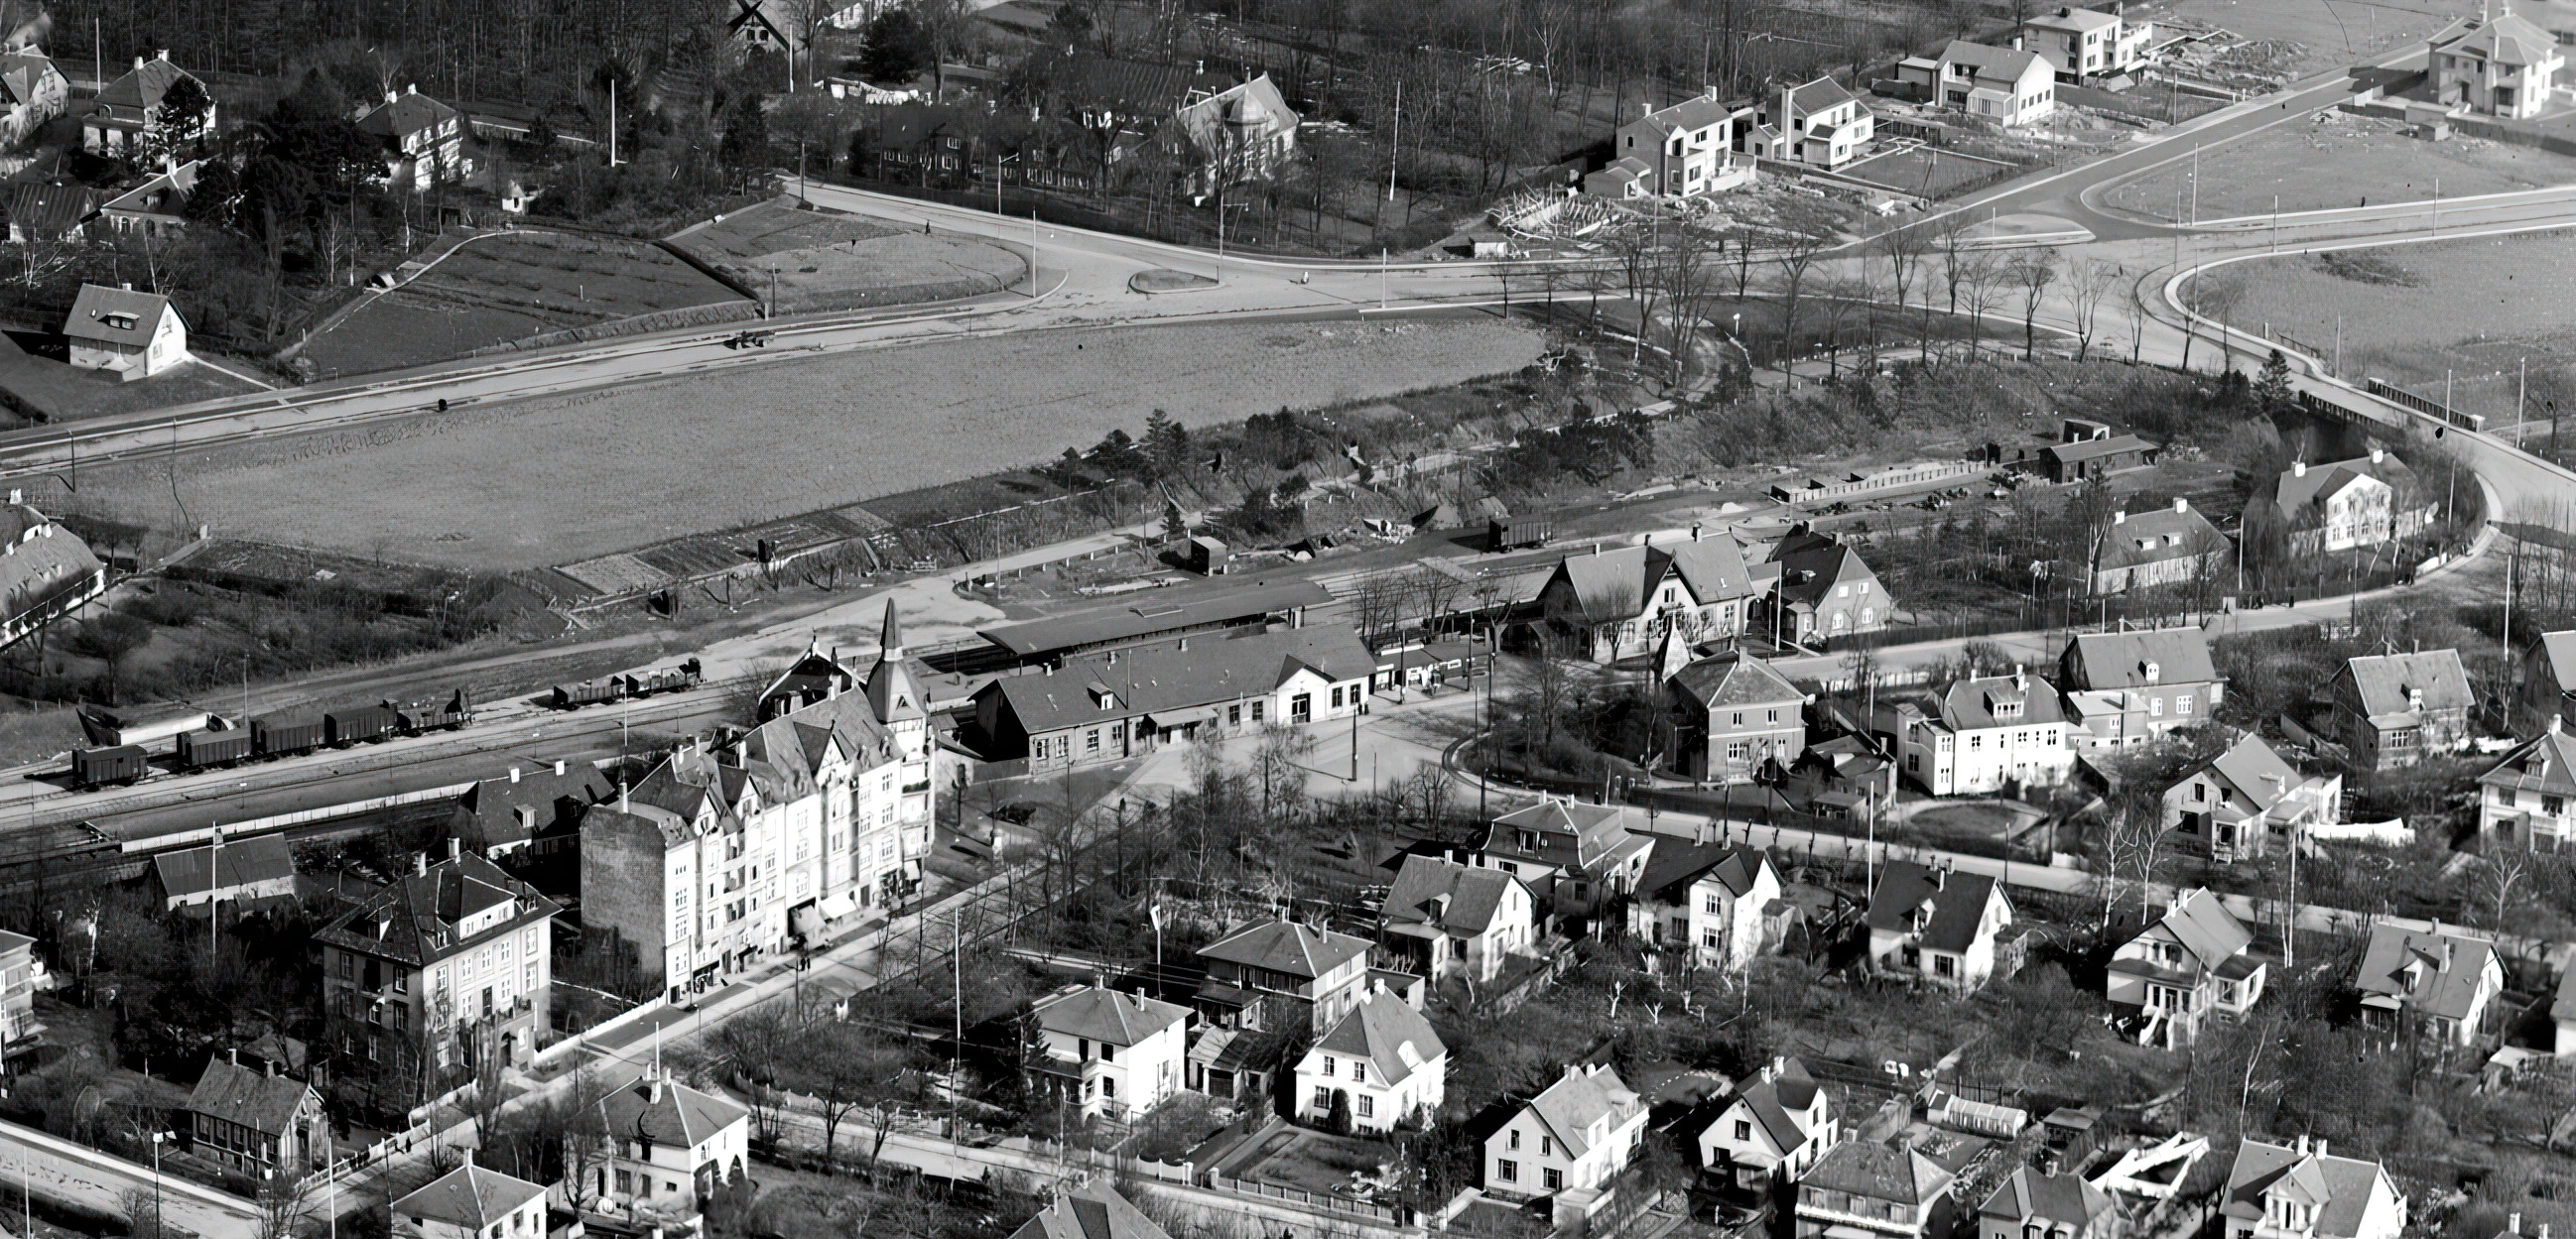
(2341, 160)
(827, 261)
(37, 375)
(552, 481)
(2498, 301)
(510, 287)
(1924, 170)
(2329, 35)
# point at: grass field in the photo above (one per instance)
(552, 481)
(510, 287)
(2338, 162)
(828, 261)
(1923, 170)
(2497, 301)
(2329, 35)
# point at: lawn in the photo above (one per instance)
(509, 287)
(552, 481)
(36, 374)
(824, 260)
(2497, 301)
(1924, 170)
(2340, 160)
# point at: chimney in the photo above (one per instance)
(2016, 44)
(653, 1090)
(2181, 504)
(2321, 1146)
(2557, 723)
(559, 767)
(1596, 548)
(1573, 1071)
(2378, 454)
(2298, 468)
(2513, 1223)
(2302, 1147)
(2120, 518)
(272, 1068)
(1185, 645)
(138, 62)
(412, 89)
(16, 495)
(233, 1056)
(391, 96)
(621, 796)
(454, 847)
(419, 864)
(514, 774)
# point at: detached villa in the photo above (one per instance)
(1928, 922)
(2298, 1191)
(2248, 798)
(2442, 983)
(1110, 1053)
(1778, 1126)
(2502, 67)
(1382, 1060)
(1674, 152)
(1571, 1139)
(2191, 964)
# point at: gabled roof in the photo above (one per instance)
(1779, 1100)
(2078, 20)
(1732, 679)
(41, 564)
(2156, 536)
(195, 871)
(261, 1102)
(1671, 872)
(1475, 896)
(1614, 584)
(1287, 947)
(469, 1196)
(2252, 767)
(2562, 1007)
(143, 85)
(1099, 1014)
(98, 310)
(1970, 704)
(678, 1115)
(1132, 87)
(2006, 63)
(420, 911)
(2340, 1186)
(2507, 40)
(1094, 1210)
(2556, 654)
(2121, 659)
(1878, 1171)
(1143, 621)
(1195, 672)
(2383, 682)
(1696, 112)
(1818, 95)
(1249, 112)
(1381, 1029)
(2089, 449)
(2303, 485)
(49, 211)
(2205, 928)
(162, 194)
(405, 113)
(2436, 972)
(1958, 903)
(1580, 1098)
(2055, 1198)
(2544, 763)
(1573, 835)
(494, 804)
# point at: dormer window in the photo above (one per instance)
(119, 321)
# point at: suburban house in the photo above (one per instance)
(1617, 603)
(1576, 857)
(1928, 922)
(1110, 1053)
(2058, 1206)
(1381, 1064)
(1275, 975)
(21, 973)
(1572, 1138)
(448, 965)
(2394, 710)
(2524, 798)
(157, 207)
(1733, 717)
(669, 1145)
(1092, 1210)
(125, 333)
(1672, 152)
(1122, 703)
(1442, 917)
(2166, 546)
(1243, 133)
(2005, 85)
(126, 119)
(2365, 501)
(1819, 589)
(2299, 1191)
(256, 1122)
(32, 91)
(1817, 123)
(1873, 1188)
(2501, 66)
(2084, 44)
(47, 211)
(2194, 963)
(2548, 686)
(537, 810)
(1982, 735)
(2127, 688)
(259, 867)
(471, 1202)
(2441, 983)
(2562, 1014)
(1777, 1125)
(2246, 800)
(1706, 903)
(45, 571)
(424, 139)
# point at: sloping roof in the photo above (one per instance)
(420, 911)
(2445, 966)
(1879, 1172)
(2341, 1186)
(2001, 62)
(2251, 766)
(1732, 679)
(1714, 568)
(469, 1196)
(1094, 1210)
(1671, 872)
(1807, 567)
(162, 193)
(98, 308)
(2299, 487)
(49, 211)
(35, 567)
(494, 804)
(1584, 832)
(1696, 112)
(892, 691)
(1134, 87)
(2557, 655)
(405, 113)
(2204, 927)
(2121, 659)
(1818, 95)
(2089, 449)
(1475, 895)
(1288, 947)
(143, 85)
(2384, 680)
(2506, 40)
(1970, 704)
(2078, 20)
(1106, 1015)
(1958, 903)
(1379, 1029)
(1143, 620)
(2065, 1198)
(1213, 669)
(1613, 585)
(22, 74)
(2544, 763)
(2156, 536)
(2563, 1005)
(1779, 1103)
(1253, 110)
(261, 1102)
(1581, 1097)
(681, 1115)
(194, 871)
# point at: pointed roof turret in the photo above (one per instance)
(891, 690)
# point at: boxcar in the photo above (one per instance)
(200, 749)
(284, 734)
(588, 693)
(92, 768)
(344, 727)
(434, 713)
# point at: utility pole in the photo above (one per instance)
(1395, 142)
(612, 122)
(2521, 399)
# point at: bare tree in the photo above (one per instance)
(2033, 272)
(2088, 282)
(1377, 606)
(1902, 249)
(1982, 287)
(283, 1206)
(1795, 260)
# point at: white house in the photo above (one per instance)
(1982, 735)
(125, 333)
(1573, 1138)
(2005, 85)
(2195, 962)
(1671, 152)
(1112, 1054)
(2081, 44)
(2299, 1191)
(2442, 983)
(1442, 917)
(1778, 1126)
(1817, 123)
(1382, 1060)
(2525, 798)
(2344, 504)
(2247, 799)
(1929, 922)
(1706, 902)
(1577, 857)
(2502, 67)
(470, 1202)
(669, 1145)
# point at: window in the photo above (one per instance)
(1323, 1097)
(1234, 714)
(1091, 741)
(1515, 1140)
(1553, 1178)
(1368, 1106)
(1743, 1129)
(1301, 708)
(1711, 940)
(1945, 965)
(1712, 904)
(2554, 806)
(625, 1182)
(1506, 1169)
(1359, 1071)
(1108, 1085)
(1256, 711)
(1739, 718)
(1547, 1146)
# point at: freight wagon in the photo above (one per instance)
(344, 727)
(94, 768)
(285, 734)
(434, 713)
(589, 693)
(199, 750)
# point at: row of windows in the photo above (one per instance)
(1359, 1068)
(1509, 1171)
(1324, 1101)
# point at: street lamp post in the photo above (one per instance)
(158, 1230)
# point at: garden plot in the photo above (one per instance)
(2337, 160)
(821, 260)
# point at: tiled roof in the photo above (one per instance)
(162, 194)
(50, 211)
(469, 1196)
(1958, 903)
(1580, 1098)
(37, 566)
(143, 86)
(1735, 680)
(2156, 536)
(1879, 1172)
(2205, 927)
(1779, 1103)
(261, 1102)
(1143, 620)
(2507, 40)
(405, 113)
(2557, 656)
(420, 911)
(2341, 1186)
(681, 1115)
(2383, 682)
(1818, 95)
(1106, 1015)
(1092, 1211)
(1213, 669)
(2121, 659)
(2545, 763)
(2298, 487)
(1287, 947)
(2446, 968)
(1672, 872)
(1969, 705)
(2251, 766)
(1379, 1029)
(2008, 64)
(494, 804)
(1133, 87)
(98, 309)
(261, 858)
(1575, 835)
(2053, 1198)
(1475, 895)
